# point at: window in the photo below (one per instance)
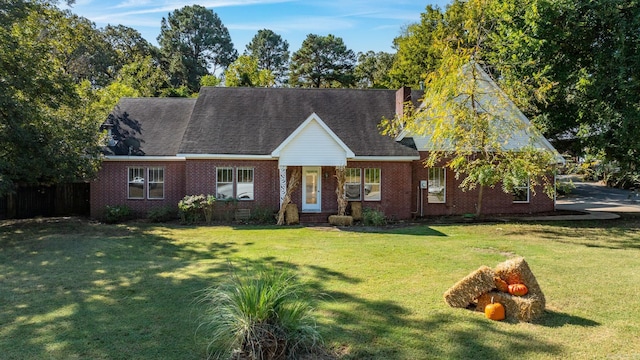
(521, 193)
(371, 184)
(245, 184)
(353, 184)
(436, 185)
(156, 183)
(224, 183)
(136, 183)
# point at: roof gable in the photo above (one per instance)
(313, 143)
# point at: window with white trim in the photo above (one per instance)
(436, 185)
(521, 193)
(372, 185)
(224, 183)
(245, 184)
(135, 183)
(156, 183)
(353, 184)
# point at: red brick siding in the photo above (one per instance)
(201, 179)
(111, 186)
(494, 201)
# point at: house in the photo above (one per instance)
(244, 143)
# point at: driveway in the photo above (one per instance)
(596, 197)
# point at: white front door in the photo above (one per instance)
(311, 185)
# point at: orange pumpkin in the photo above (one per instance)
(494, 311)
(518, 289)
(501, 285)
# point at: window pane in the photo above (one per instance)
(436, 185)
(352, 184)
(156, 183)
(224, 185)
(521, 193)
(136, 183)
(245, 184)
(372, 184)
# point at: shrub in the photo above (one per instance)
(190, 208)
(263, 215)
(162, 214)
(117, 213)
(373, 217)
(263, 315)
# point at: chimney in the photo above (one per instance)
(403, 96)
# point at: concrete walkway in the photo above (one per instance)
(597, 201)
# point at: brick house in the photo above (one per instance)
(244, 143)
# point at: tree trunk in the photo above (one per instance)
(479, 205)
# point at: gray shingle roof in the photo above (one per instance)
(151, 126)
(252, 121)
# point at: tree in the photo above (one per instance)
(244, 72)
(144, 75)
(128, 44)
(43, 137)
(470, 121)
(373, 69)
(415, 55)
(271, 52)
(194, 42)
(592, 52)
(323, 61)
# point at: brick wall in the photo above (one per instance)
(111, 186)
(201, 179)
(494, 201)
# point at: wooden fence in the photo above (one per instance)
(56, 200)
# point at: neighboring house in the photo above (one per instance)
(245, 142)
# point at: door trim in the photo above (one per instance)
(309, 203)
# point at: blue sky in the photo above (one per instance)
(362, 24)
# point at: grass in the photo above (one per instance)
(71, 289)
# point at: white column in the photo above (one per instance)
(283, 183)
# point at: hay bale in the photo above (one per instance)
(340, 220)
(465, 291)
(291, 214)
(517, 270)
(356, 210)
(517, 308)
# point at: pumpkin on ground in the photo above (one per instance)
(518, 289)
(494, 311)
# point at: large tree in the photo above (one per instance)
(43, 136)
(194, 42)
(271, 52)
(372, 70)
(245, 72)
(323, 61)
(473, 126)
(128, 44)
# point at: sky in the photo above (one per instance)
(363, 25)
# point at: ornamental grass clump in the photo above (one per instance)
(260, 315)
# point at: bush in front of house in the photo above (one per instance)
(162, 214)
(117, 213)
(263, 215)
(191, 209)
(260, 315)
(373, 217)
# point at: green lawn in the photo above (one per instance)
(70, 289)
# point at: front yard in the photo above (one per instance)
(72, 289)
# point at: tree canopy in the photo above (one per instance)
(271, 52)
(43, 138)
(193, 43)
(323, 62)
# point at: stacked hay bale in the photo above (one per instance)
(514, 271)
(465, 291)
